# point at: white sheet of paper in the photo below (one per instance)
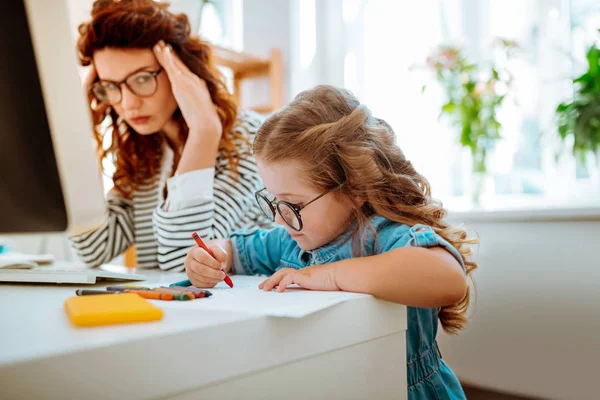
(247, 297)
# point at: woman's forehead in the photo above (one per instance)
(116, 64)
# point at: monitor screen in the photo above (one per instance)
(31, 197)
(49, 176)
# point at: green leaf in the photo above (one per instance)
(593, 56)
(465, 136)
(585, 78)
(495, 74)
(563, 131)
(580, 118)
(449, 107)
(562, 107)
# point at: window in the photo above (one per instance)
(383, 39)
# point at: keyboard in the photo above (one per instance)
(76, 273)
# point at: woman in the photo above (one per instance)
(181, 149)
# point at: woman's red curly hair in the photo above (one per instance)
(140, 24)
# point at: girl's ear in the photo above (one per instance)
(350, 196)
(355, 201)
(359, 201)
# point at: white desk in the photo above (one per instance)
(354, 350)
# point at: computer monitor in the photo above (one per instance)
(49, 175)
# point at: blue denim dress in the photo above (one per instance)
(258, 251)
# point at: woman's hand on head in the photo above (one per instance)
(192, 96)
(203, 270)
(88, 80)
(318, 277)
(89, 77)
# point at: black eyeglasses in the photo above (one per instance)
(290, 213)
(142, 83)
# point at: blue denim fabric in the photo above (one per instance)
(260, 251)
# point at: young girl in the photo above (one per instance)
(353, 215)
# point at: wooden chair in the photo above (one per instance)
(130, 257)
(244, 67)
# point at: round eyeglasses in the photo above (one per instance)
(290, 213)
(141, 83)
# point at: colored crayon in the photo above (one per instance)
(147, 294)
(87, 292)
(177, 295)
(151, 294)
(186, 282)
(198, 293)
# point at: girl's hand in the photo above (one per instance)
(203, 270)
(191, 94)
(318, 277)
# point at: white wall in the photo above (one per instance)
(535, 328)
(79, 12)
(272, 24)
(326, 64)
(266, 25)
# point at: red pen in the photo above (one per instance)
(201, 244)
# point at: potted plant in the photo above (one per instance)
(473, 95)
(579, 118)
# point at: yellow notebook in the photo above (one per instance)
(110, 309)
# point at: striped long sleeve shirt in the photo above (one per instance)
(213, 202)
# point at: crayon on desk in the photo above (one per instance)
(146, 294)
(177, 295)
(198, 293)
(153, 295)
(184, 283)
(88, 292)
(181, 289)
